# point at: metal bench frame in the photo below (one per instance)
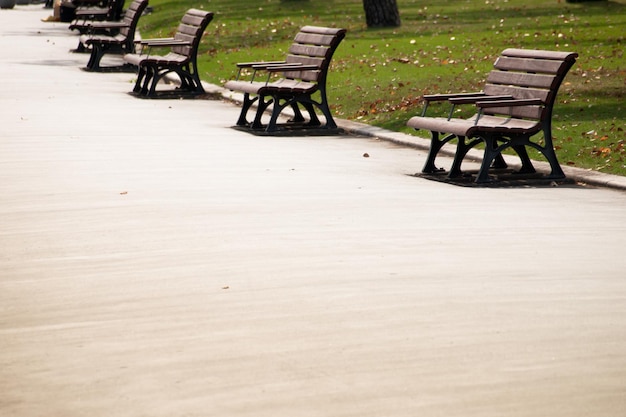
(182, 58)
(85, 16)
(121, 43)
(515, 104)
(304, 73)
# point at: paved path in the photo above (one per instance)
(155, 262)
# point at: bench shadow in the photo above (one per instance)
(176, 94)
(292, 129)
(505, 178)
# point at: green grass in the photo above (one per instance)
(378, 75)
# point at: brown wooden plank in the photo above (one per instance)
(521, 79)
(322, 30)
(303, 75)
(517, 92)
(524, 112)
(192, 19)
(314, 39)
(188, 30)
(309, 50)
(539, 54)
(531, 65)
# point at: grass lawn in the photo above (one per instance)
(378, 75)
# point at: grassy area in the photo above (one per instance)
(378, 75)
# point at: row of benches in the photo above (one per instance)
(515, 105)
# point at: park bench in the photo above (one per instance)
(121, 43)
(181, 59)
(302, 82)
(516, 103)
(85, 16)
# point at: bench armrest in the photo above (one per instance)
(509, 103)
(445, 97)
(87, 13)
(289, 67)
(464, 97)
(252, 64)
(154, 40)
(164, 42)
(475, 99)
(106, 25)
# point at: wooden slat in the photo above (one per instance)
(314, 39)
(193, 19)
(524, 112)
(539, 54)
(188, 30)
(308, 50)
(517, 92)
(543, 66)
(303, 75)
(521, 79)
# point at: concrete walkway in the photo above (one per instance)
(155, 262)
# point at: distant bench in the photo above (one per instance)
(86, 15)
(515, 104)
(304, 73)
(180, 60)
(121, 43)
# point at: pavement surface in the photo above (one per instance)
(156, 262)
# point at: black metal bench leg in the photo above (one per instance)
(297, 114)
(186, 82)
(557, 171)
(499, 162)
(527, 165)
(245, 106)
(323, 106)
(194, 77)
(435, 147)
(149, 74)
(80, 48)
(262, 105)
(462, 149)
(491, 152)
(141, 73)
(313, 119)
(156, 76)
(549, 153)
(97, 52)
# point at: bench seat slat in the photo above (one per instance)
(463, 127)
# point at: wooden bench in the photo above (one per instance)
(515, 104)
(180, 60)
(85, 16)
(121, 43)
(304, 73)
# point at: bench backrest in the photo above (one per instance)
(131, 18)
(191, 28)
(528, 74)
(314, 45)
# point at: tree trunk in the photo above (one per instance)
(381, 13)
